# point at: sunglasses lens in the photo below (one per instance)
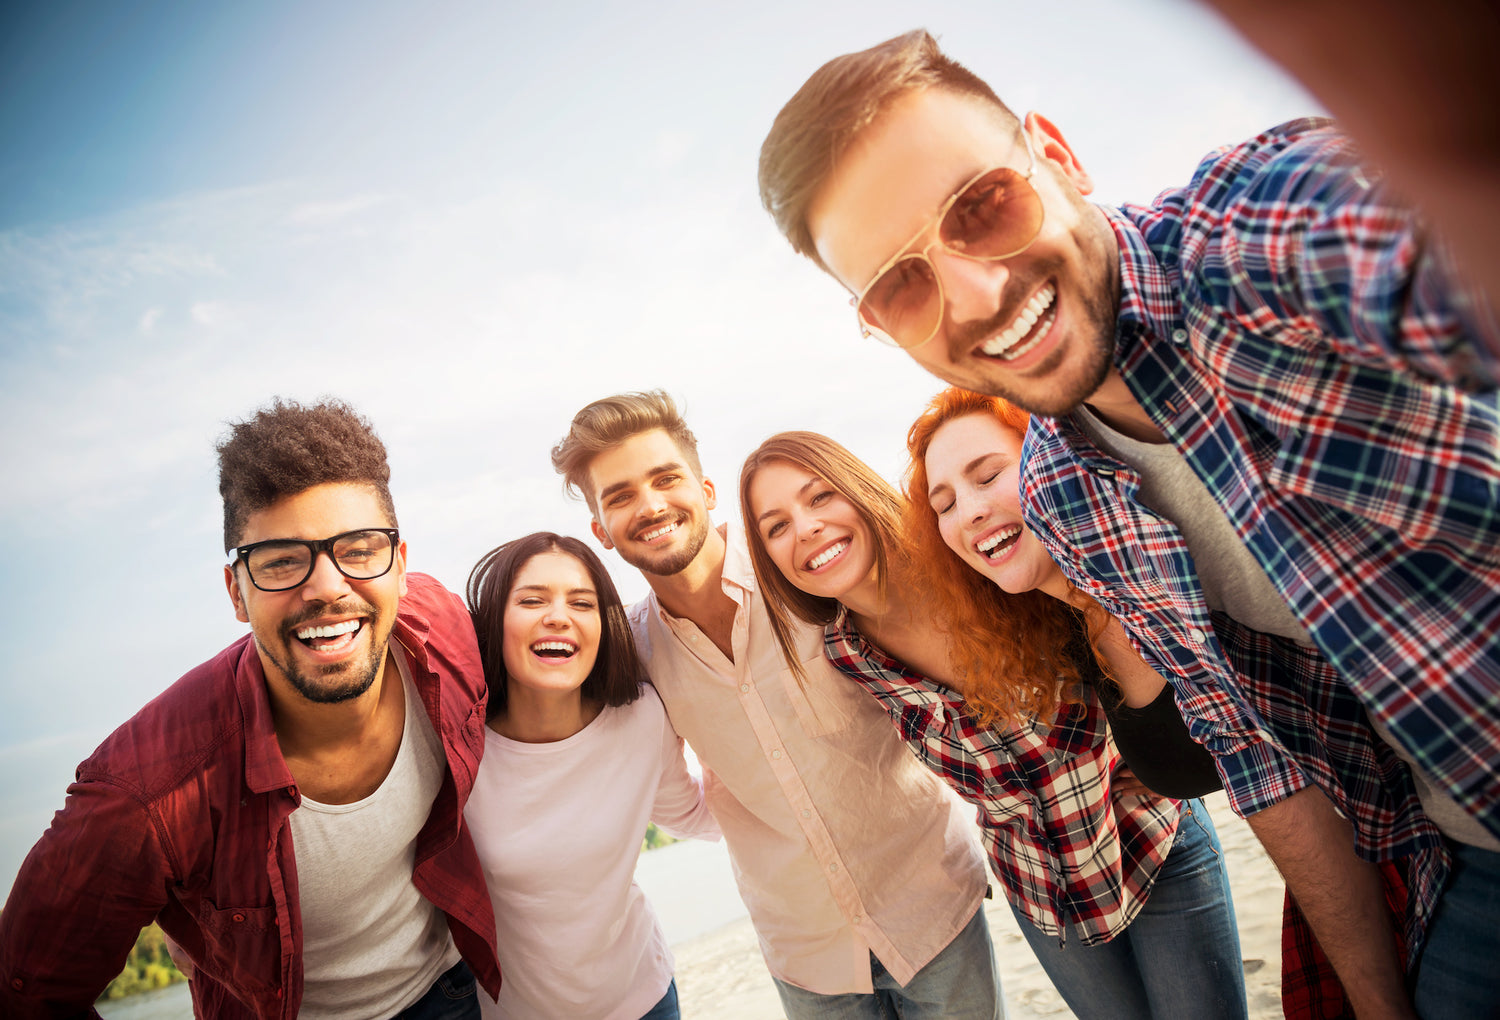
(995, 217)
(903, 305)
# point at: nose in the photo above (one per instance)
(555, 616)
(808, 527)
(973, 289)
(970, 507)
(326, 583)
(652, 503)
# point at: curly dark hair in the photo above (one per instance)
(618, 673)
(287, 448)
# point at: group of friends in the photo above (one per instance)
(1212, 502)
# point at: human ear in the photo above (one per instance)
(600, 533)
(232, 583)
(1048, 143)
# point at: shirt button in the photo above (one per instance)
(806, 813)
(1199, 638)
(17, 984)
(744, 688)
(1179, 337)
(833, 868)
(237, 917)
(776, 754)
(859, 918)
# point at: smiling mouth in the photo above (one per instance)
(561, 650)
(827, 555)
(332, 637)
(657, 531)
(997, 545)
(1027, 329)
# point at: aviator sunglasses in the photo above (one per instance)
(994, 216)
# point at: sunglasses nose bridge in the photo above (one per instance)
(969, 287)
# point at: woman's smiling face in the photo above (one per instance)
(973, 485)
(814, 535)
(551, 624)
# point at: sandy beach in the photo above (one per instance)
(720, 975)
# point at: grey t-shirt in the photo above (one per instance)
(1234, 582)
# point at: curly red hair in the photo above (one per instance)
(1011, 649)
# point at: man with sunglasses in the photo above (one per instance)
(1265, 433)
(290, 812)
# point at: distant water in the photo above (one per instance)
(170, 1003)
(691, 885)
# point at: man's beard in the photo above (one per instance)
(1063, 387)
(667, 564)
(357, 677)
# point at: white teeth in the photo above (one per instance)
(333, 630)
(997, 538)
(554, 646)
(826, 555)
(1039, 305)
(654, 533)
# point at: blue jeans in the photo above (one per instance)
(960, 983)
(1456, 976)
(453, 996)
(1180, 957)
(666, 1009)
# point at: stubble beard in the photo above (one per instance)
(358, 677)
(1067, 378)
(668, 564)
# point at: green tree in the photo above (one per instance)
(655, 838)
(148, 966)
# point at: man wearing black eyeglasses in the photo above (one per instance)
(1264, 432)
(290, 812)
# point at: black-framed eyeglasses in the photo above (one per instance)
(281, 564)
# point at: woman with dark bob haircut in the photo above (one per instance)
(578, 756)
(1119, 890)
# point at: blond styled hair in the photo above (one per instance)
(607, 423)
(817, 125)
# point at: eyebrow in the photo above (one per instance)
(814, 480)
(660, 469)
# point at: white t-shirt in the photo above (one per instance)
(371, 943)
(558, 828)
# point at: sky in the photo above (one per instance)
(469, 220)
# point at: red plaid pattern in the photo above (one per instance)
(1064, 849)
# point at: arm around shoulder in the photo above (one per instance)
(681, 806)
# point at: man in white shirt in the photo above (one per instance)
(860, 872)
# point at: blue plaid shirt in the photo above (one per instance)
(1283, 324)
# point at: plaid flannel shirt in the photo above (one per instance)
(1282, 324)
(1064, 849)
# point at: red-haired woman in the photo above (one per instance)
(1119, 889)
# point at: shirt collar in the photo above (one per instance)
(1149, 304)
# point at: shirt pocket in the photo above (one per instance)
(824, 700)
(242, 948)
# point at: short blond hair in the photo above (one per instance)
(607, 423)
(818, 124)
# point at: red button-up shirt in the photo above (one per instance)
(180, 817)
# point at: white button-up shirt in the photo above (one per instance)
(843, 843)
